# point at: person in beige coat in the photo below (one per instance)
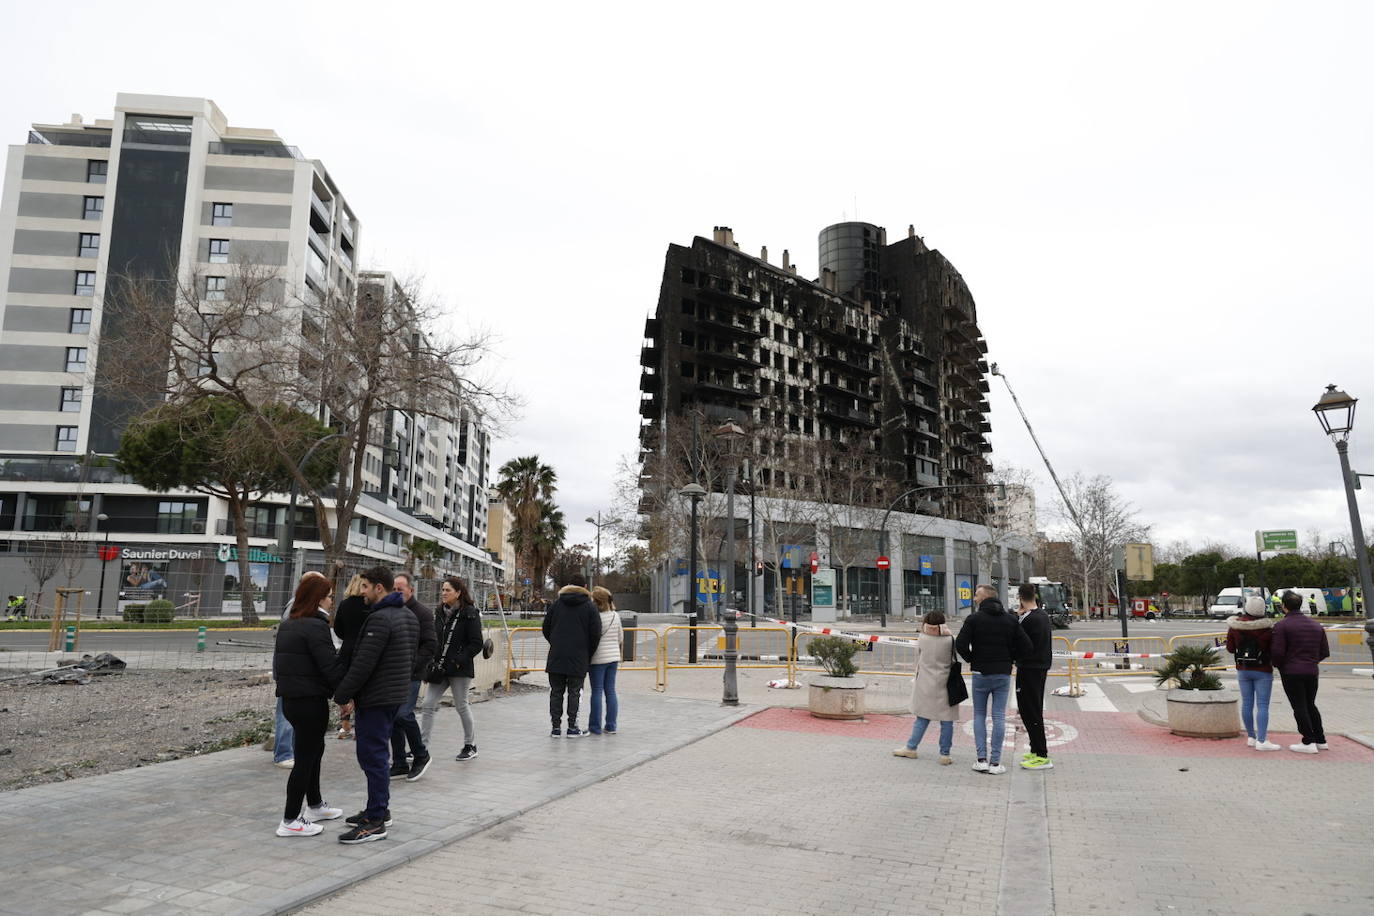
(929, 691)
(605, 661)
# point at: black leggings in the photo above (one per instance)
(309, 716)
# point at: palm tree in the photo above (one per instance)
(527, 485)
(548, 539)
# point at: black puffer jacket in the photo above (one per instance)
(1040, 632)
(466, 642)
(304, 663)
(348, 624)
(428, 645)
(573, 628)
(379, 674)
(991, 639)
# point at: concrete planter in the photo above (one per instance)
(836, 698)
(1204, 713)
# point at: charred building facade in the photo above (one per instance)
(879, 362)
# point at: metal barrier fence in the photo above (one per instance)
(1348, 647)
(1118, 667)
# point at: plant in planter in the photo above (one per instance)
(1199, 707)
(838, 694)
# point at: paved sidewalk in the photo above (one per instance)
(196, 835)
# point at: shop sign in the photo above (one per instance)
(228, 553)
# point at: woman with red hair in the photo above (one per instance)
(307, 670)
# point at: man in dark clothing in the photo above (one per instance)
(990, 641)
(406, 728)
(572, 627)
(1297, 648)
(1031, 671)
(376, 685)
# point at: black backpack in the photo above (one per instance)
(1248, 651)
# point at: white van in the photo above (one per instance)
(1313, 601)
(1231, 601)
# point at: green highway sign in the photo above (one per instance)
(1282, 541)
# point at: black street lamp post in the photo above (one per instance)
(599, 525)
(730, 436)
(694, 492)
(1336, 413)
(100, 520)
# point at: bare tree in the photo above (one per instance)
(348, 357)
(44, 559)
(1108, 521)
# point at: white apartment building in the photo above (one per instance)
(168, 190)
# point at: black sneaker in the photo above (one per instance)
(361, 816)
(575, 732)
(417, 769)
(400, 768)
(365, 832)
(556, 733)
(468, 752)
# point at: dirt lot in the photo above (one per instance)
(53, 732)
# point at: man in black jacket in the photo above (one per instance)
(1031, 671)
(376, 685)
(990, 641)
(406, 728)
(573, 628)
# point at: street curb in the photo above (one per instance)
(1366, 740)
(1152, 717)
(405, 853)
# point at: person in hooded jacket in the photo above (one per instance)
(1248, 638)
(458, 626)
(1297, 650)
(572, 627)
(930, 688)
(990, 641)
(307, 670)
(376, 685)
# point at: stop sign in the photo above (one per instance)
(1164, 594)
(884, 563)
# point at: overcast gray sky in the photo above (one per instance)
(1163, 210)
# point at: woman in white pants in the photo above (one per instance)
(459, 627)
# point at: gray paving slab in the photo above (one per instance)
(197, 835)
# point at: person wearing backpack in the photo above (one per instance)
(1248, 637)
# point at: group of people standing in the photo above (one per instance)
(1295, 645)
(992, 641)
(584, 634)
(389, 646)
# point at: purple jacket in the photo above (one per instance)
(1299, 644)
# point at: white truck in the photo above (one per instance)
(1232, 600)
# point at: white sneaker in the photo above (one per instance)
(980, 766)
(1303, 748)
(285, 764)
(322, 812)
(1250, 742)
(1323, 747)
(996, 769)
(1267, 746)
(298, 827)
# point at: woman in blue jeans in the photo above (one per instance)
(991, 640)
(1248, 636)
(930, 688)
(605, 661)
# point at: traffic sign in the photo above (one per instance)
(884, 563)
(815, 563)
(1164, 594)
(1284, 541)
(1140, 562)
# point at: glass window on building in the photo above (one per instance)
(66, 438)
(176, 517)
(80, 321)
(215, 288)
(923, 593)
(76, 359)
(864, 590)
(93, 207)
(219, 251)
(97, 170)
(89, 245)
(221, 214)
(85, 283)
(71, 400)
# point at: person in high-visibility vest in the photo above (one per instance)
(1275, 606)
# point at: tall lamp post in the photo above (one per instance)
(1336, 413)
(730, 436)
(694, 492)
(599, 525)
(100, 521)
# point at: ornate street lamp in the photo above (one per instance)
(694, 492)
(1336, 413)
(731, 437)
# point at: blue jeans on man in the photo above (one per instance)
(371, 732)
(284, 745)
(990, 693)
(407, 729)
(1255, 689)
